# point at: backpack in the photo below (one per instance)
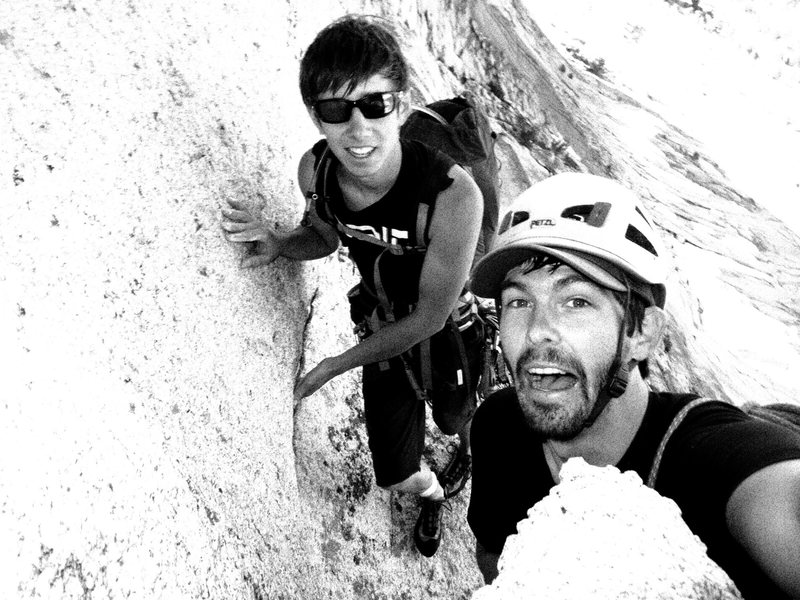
(458, 128)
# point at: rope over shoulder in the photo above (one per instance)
(676, 421)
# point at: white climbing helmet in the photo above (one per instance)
(591, 223)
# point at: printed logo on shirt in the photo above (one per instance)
(386, 234)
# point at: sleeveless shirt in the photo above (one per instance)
(393, 218)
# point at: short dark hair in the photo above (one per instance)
(349, 51)
(634, 317)
(636, 304)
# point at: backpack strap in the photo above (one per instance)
(420, 391)
(431, 113)
(425, 384)
(423, 216)
(318, 180)
(425, 364)
(383, 298)
(676, 421)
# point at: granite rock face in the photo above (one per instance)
(149, 443)
(604, 534)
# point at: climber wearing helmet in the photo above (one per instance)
(579, 278)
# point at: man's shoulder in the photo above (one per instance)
(426, 164)
(499, 407)
(426, 153)
(316, 151)
(500, 400)
(724, 444)
(666, 405)
(705, 410)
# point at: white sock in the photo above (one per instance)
(434, 491)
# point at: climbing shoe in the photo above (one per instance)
(429, 527)
(456, 473)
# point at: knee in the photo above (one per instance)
(454, 411)
(447, 426)
(450, 423)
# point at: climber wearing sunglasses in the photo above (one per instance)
(365, 186)
(372, 106)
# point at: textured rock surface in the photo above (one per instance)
(149, 446)
(603, 534)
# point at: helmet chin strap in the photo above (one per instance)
(618, 374)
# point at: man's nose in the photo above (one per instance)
(542, 326)
(357, 120)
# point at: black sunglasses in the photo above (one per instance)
(373, 106)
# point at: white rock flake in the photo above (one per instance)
(603, 534)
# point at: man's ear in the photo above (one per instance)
(644, 342)
(315, 119)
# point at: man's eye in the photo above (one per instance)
(516, 303)
(578, 303)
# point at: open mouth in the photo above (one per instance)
(550, 379)
(360, 151)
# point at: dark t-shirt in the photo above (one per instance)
(711, 453)
(393, 218)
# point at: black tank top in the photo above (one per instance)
(393, 218)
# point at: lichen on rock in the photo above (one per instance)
(603, 534)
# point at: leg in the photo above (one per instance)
(395, 422)
(459, 469)
(396, 429)
(423, 483)
(429, 528)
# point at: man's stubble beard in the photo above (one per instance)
(557, 422)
